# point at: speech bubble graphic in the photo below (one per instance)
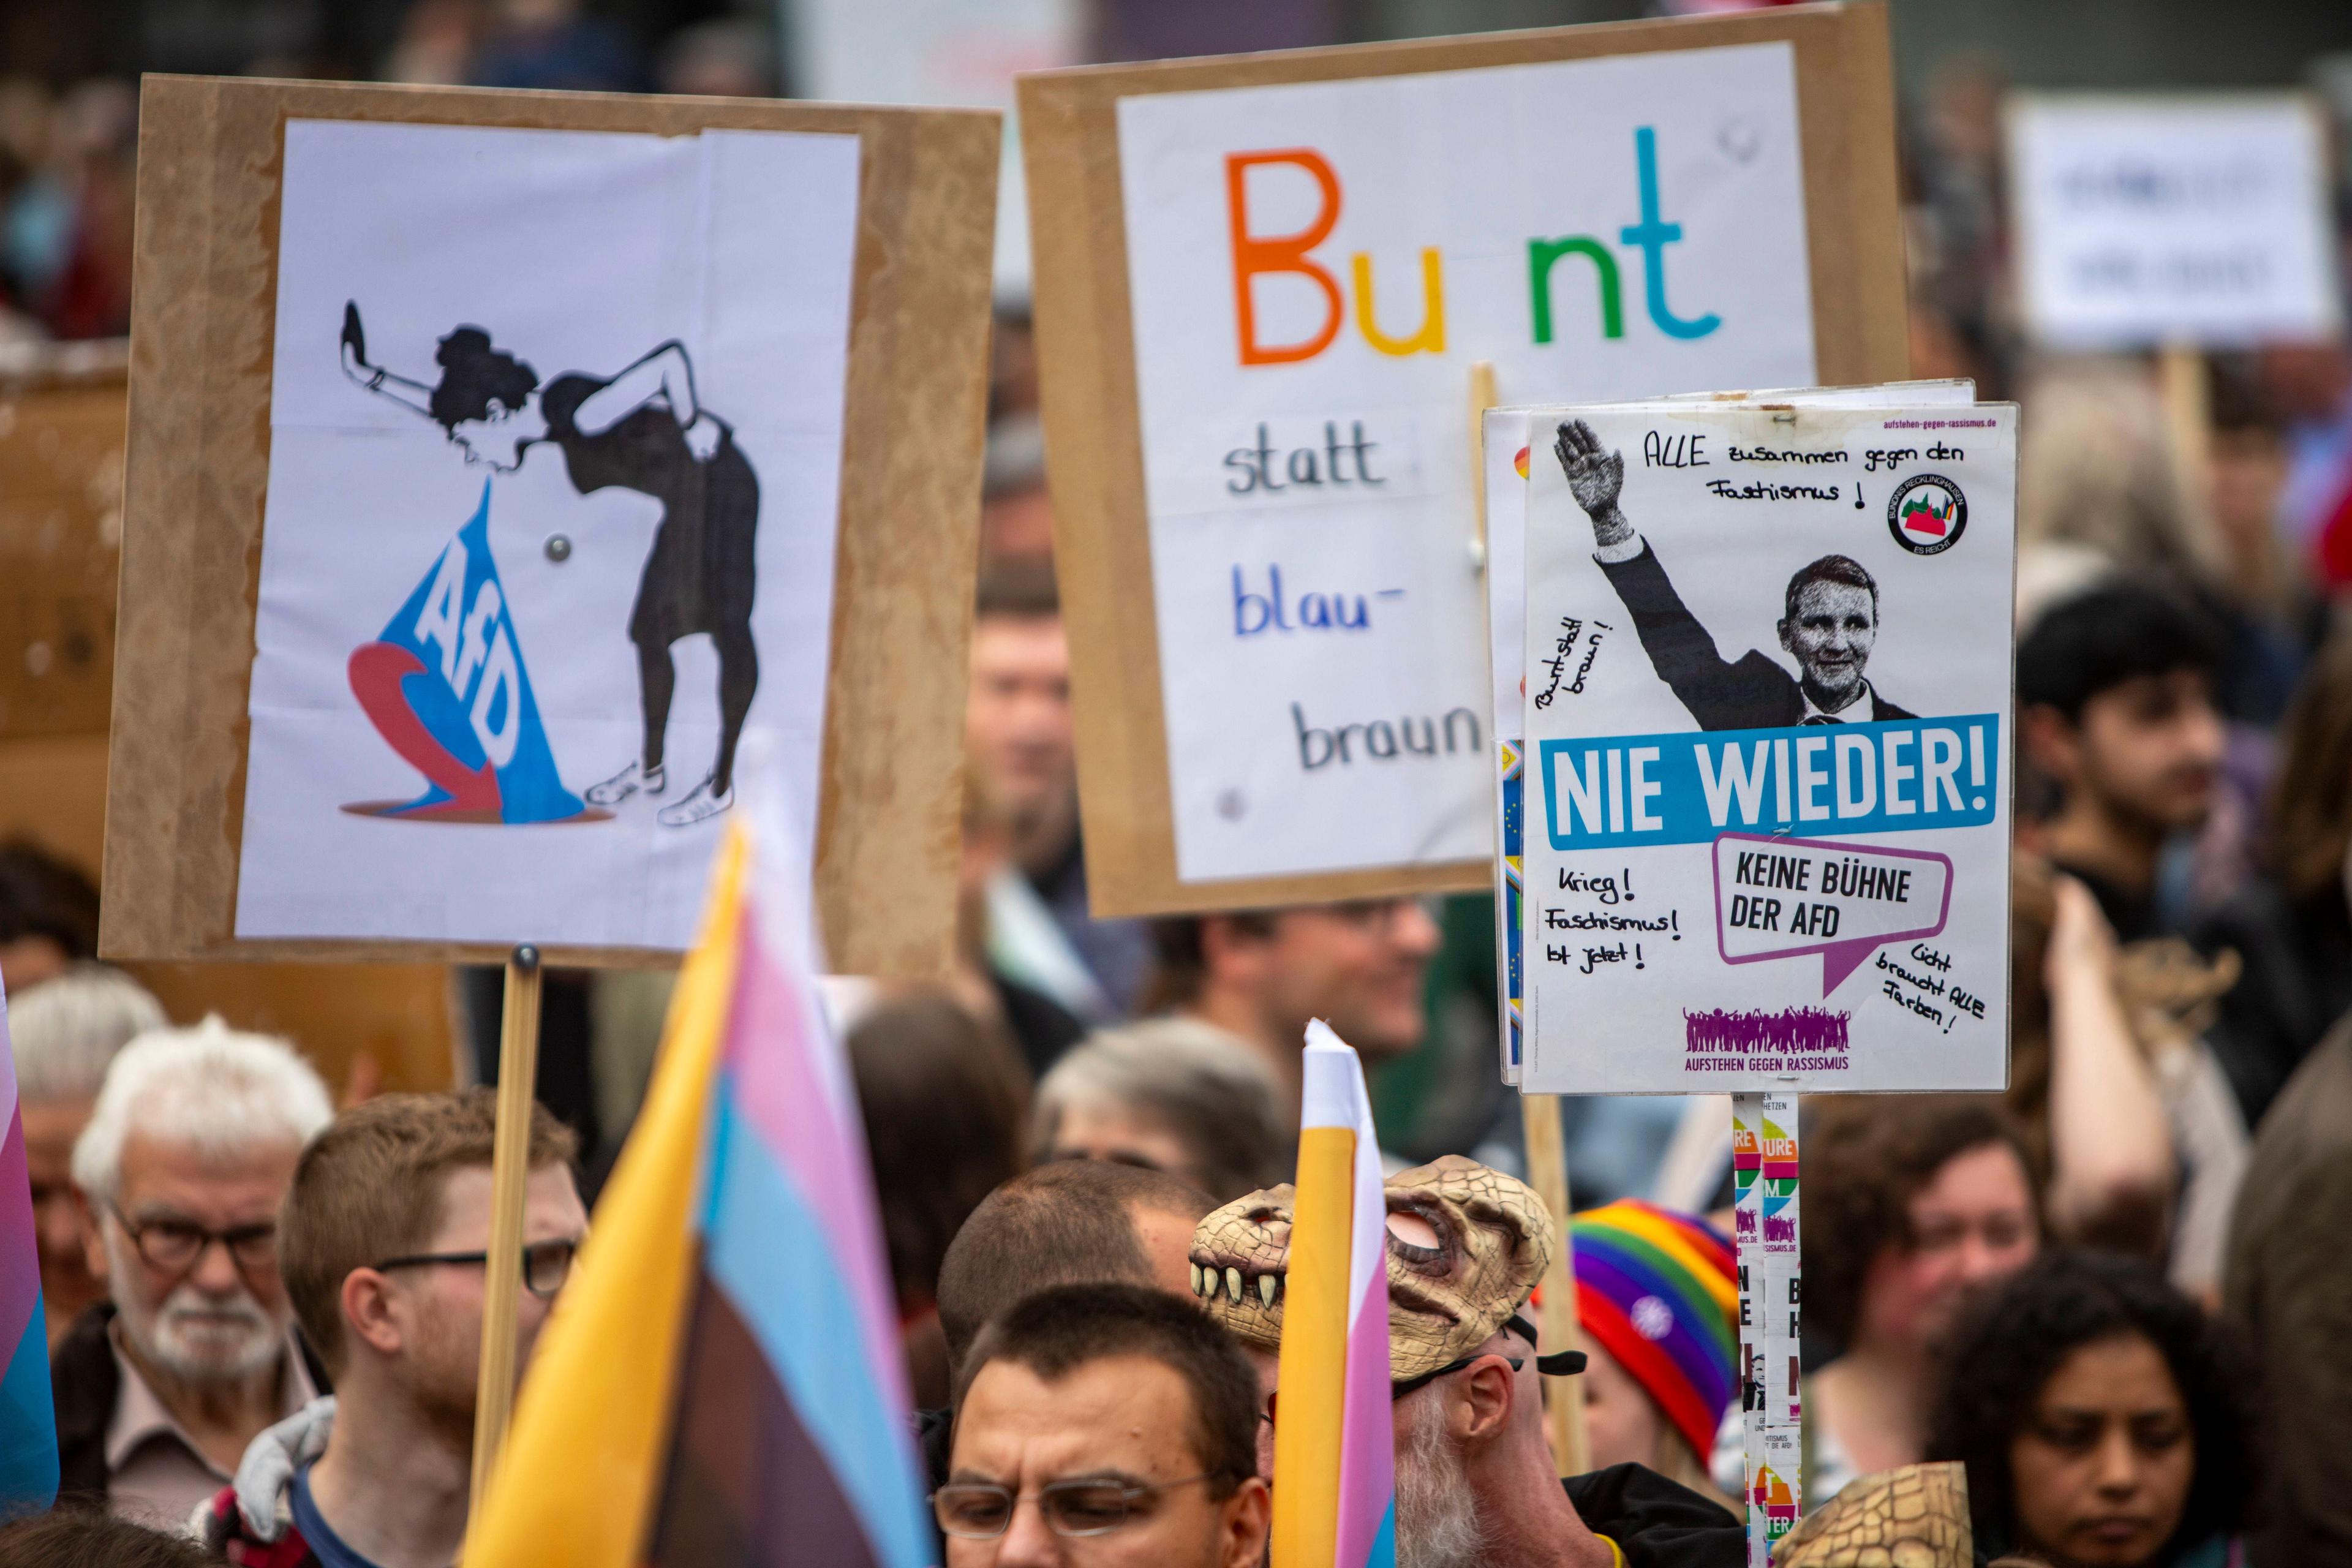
(1784, 898)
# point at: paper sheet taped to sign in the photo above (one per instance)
(1767, 747)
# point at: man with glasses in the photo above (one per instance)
(187, 1153)
(1104, 1426)
(384, 1253)
(1259, 974)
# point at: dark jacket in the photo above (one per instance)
(1754, 694)
(1655, 1523)
(2288, 1284)
(84, 1382)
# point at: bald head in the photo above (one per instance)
(1073, 1222)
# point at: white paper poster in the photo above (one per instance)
(1768, 748)
(1509, 462)
(947, 54)
(2161, 219)
(1314, 269)
(555, 445)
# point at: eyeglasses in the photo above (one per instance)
(174, 1246)
(1559, 1363)
(982, 1510)
(1379, 917)
(545, 1264)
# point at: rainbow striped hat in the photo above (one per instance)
(1658, 1290)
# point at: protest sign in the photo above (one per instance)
(1749, 869)
(2181, 220)
(1508, 456)
(1262, 283)
(498, 465)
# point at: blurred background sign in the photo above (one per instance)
(940, 54)
(2172, 219)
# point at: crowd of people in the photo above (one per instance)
(2107, 1294)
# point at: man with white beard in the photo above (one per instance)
(186, 1158)
(1475, 1487)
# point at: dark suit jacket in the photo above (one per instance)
(1754, 694)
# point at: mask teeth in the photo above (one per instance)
(1209, 1281)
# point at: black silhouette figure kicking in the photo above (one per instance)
(639, 430)
(1829, 620)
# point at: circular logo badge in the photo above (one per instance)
(1927, 514)
(1653, 1319)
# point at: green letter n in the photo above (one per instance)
(1543, 253)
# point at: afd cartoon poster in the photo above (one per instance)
(554, 464)
(1313, 252)
(1769, 747)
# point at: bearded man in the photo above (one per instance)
(1475, 1486)
(186, 1155)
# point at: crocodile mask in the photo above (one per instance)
(1467, 1245)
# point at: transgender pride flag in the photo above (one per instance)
(1334, 1448)
(29, 1432)
(721, 1382)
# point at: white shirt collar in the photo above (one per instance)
(1866, 699)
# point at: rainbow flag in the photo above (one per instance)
(29, 1430)
(1334, 1448)
(721, 1382)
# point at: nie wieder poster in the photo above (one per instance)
(1768, 748)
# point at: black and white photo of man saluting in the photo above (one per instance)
(1829, 619)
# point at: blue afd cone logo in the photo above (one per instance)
(446, 686)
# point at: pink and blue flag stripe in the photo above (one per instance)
(794, 1440)
(28, 1434)
(1367, 1534)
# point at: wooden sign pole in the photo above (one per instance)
(1572, 1452)
(2188, 431)
(509, 1176)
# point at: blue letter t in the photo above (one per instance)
(1651, 236)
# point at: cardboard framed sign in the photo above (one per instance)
(1262, 283)
(504, 468)
(2193, 219)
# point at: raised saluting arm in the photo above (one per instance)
(1595, 478)
(413, 395)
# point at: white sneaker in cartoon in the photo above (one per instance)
(626, 783)
(696, 808)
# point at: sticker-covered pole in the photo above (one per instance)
(509, 1175)
(1764, 1181)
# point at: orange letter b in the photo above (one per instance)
(1282, 252)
